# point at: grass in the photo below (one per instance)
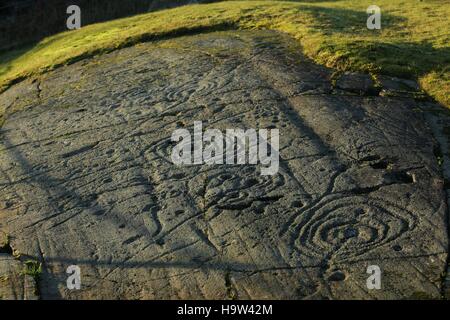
(413, 42)
(33, 268)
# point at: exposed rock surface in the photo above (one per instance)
(86, 178)
(15, 283)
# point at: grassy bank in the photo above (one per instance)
(414, 41)
(23, 22)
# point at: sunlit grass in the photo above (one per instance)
(414, 40)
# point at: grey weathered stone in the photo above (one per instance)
(14, 284)
(396, 87)
(86, 178)
(356, 83)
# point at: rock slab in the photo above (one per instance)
(86, 178)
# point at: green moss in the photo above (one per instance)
(33, 269)
(413, 41)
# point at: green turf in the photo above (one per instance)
(413, 42)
